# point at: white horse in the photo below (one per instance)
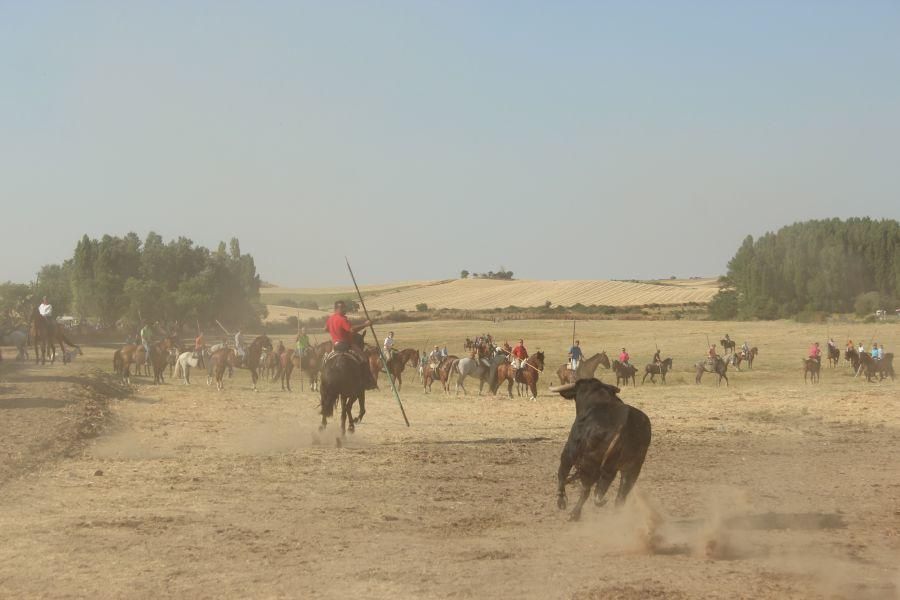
(19, 339)
(183, 365)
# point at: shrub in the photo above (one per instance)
(422, 307)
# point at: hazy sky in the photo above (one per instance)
(558, 139)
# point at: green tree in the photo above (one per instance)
(16, 303)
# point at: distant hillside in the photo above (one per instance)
(482, 294)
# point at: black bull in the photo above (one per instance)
(607, 437)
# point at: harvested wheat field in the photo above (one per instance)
(482, 294)
(768, 488)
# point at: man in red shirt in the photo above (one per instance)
(519, 354)
(624, 357)
(815, 352)
(341, 331)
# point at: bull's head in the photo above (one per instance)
(570, 390)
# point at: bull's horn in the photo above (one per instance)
(562, 388)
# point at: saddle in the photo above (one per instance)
(335, 353)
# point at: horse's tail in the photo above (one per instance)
(117, 362)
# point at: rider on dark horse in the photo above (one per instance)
(341, 331)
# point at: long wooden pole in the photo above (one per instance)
(384, 361)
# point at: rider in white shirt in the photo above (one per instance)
(46, 310)
(389, 345)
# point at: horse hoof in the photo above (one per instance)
(561, 502)
(575, 516)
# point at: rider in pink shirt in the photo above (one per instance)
(815, 352)
(624, 357)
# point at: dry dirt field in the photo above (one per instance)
(769, 488)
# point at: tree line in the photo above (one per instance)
(828, 265)
(119, 281)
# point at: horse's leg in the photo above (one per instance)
(362, 408)
(509, 387)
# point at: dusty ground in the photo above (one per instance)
(766, 489)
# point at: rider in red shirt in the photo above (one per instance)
(624, 357)
(341, 331)
(815, 352)
(519, 353)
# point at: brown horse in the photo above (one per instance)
(217, 363)
(159, 356)
(271, 362)
(811, 367)
(624, 373)
(127, 355)
(527, 374)
(41, 334)
(398, 362)
(60, 336)
(739, 357)
(586, 368)
(440, 373)
(310, 362)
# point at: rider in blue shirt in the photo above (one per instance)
(575, 355)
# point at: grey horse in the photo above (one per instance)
(485, 369)
(16, 338)
(720, 368)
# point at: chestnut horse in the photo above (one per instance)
(527, 374)
(586, 368)
(397, 362)
(440, 373)
(216, 364)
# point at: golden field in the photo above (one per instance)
(482, 294)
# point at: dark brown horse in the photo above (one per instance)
(344, 377)
(883, 367)
(252, 356)
(833, 355)
(728, 345)
(811, 367)
(216, 365)
(654, 369)
(586, 369)
(624, 373)
(527, 374)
